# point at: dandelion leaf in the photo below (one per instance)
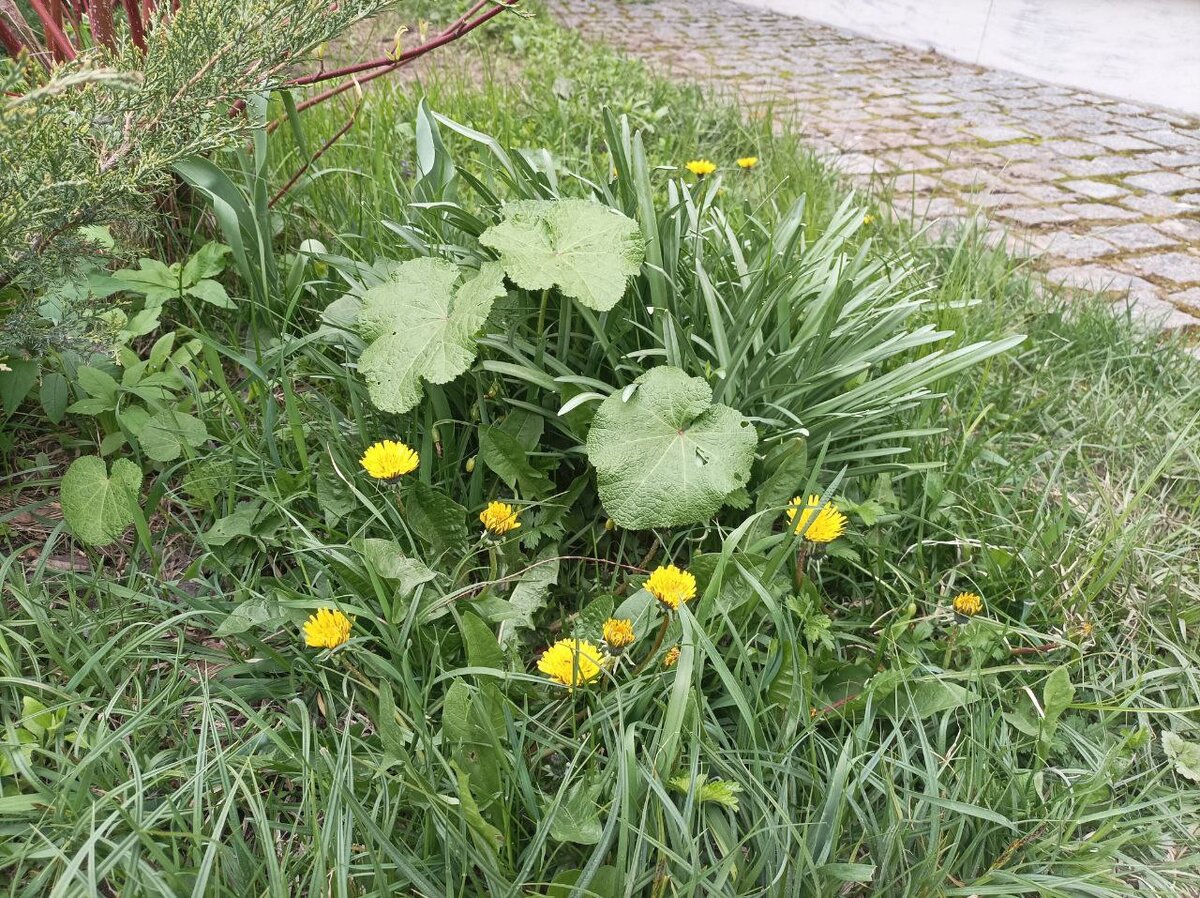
(98, 504)
(587, 250)
(421, 326)
(666, 456)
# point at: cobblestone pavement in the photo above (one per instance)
(1103, 193)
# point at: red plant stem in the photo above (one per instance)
(60, 45)
(136, 29)
(455, 31)
(384, 64)
(12, 44)
(100, 14)
(317, 155)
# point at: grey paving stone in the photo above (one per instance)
(1100, 212)
(1073, 148)
(1179, 268)
(1185, 229)
(1155, 314)
(1106, 166)
(1164, 182)
(1123, 142)
(1037, 215)
(1097, 190)
(1154, 205)
(998, 133)
(1096, 277)
(1134, 237)
(1065, 245)
(953, 140)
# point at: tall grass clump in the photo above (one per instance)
(522, 513)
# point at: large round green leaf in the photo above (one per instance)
(666, 456)
(423, 327)
(98, 506)
(585, 249)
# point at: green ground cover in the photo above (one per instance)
(829, 726)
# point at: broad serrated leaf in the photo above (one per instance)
(207, 479)
(210, 292)
(421, 326)
(99, 505)
(388, 560)
(435, 517)
(250, 613)
(165, 434)
(482, 648)
(207, 262)
(239, 523)
(504, 455)
(668, 456)
(577, 818)
(529, 595)
(1183, 754)
(587, 250)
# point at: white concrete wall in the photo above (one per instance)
(1141, 50)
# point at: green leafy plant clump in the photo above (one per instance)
(479, 519)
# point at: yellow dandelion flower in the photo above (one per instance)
(701, 167)
(671, 586)
(817, 526)
(388, 460)
(747, 162)
(968, 604)
(618, 634)
(868, 219)
(499, 518)
(327, 629)
(671, 657)
(571, 662)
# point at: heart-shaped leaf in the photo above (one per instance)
(585, 249)
(667, 456)
(97, 505)
(423, 327)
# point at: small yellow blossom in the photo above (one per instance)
(499, 518)
(571, 662)
(388, 460)
(868, 219)
(747, 162)
(823, 526)
(968, 604)
(618, 634)
(327, 629)
(671, 586)
(671, 657)
(701, 167)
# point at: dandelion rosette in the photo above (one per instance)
(499, 518)
(388, 460)
(671, 586)
(618, 634)
(571, 662)
(816, 523)
(701, 167)
(968, 604)
(327, 629)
